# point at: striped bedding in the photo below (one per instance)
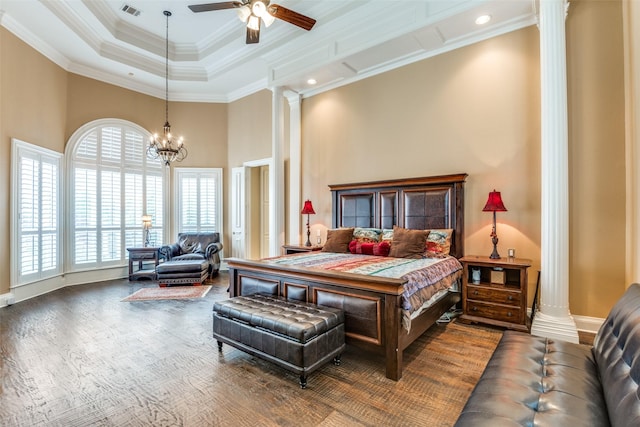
(425, 277)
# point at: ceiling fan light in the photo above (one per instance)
(258, 9)
(243, 13)
(268, 19)
(254, 23)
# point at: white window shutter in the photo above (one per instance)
(37, 209)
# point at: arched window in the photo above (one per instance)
(112, 184)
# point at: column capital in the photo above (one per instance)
(566, 4)
(293, 97)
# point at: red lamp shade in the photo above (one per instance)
(308, 208)
(494, 203)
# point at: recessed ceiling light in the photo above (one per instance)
(312, 81)
(483, 19)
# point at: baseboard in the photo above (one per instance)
(31, 290)
(583, 323)
(7, 299)
(588, 324)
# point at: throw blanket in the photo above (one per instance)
(425, 277)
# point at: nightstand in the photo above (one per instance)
(498, 296)
(295, 249)
(147, 259)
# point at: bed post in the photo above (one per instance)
(393, 353)
(232, 282)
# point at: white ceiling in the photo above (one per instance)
(210, 62)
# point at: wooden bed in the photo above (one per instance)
(372, 305)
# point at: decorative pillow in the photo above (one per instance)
(439, 243)
(370, 248)
(338, 240)
(188, 246)
(387, 235)
(361, 234)
(408, 243)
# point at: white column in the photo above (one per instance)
(554, 319)
(295, 168)
(276, 173)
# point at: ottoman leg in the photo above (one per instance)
(163, 285)
(303, 381)
(336, 360)
(219, 345)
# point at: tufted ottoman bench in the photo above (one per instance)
(190, 272)
(297, 336)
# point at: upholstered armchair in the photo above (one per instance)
(195, 246)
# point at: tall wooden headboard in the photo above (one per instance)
(417, 203)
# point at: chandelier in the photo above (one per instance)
(166, 147)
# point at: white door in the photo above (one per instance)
(237, 212)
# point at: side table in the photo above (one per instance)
(295, 249)
(144, 257)
(498, 295)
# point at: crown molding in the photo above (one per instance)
(35, 42)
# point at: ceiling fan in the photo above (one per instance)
(251, 12)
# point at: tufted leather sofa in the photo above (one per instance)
(535, 381)
(195, 246)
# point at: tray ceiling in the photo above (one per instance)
(210, 62)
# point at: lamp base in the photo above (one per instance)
(494, 254)
(308, 233)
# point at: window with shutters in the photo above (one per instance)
(112, 185)
(36, 201)
(199, 194)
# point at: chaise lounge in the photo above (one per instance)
(191, 260)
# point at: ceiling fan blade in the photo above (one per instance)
(291, 17)
(253, 36)
(214, 6)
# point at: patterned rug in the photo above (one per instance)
(170, 292)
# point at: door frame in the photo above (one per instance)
(248, 192)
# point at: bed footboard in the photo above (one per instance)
(372, 305)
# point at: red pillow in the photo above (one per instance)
(370, 248)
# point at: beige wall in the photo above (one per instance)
(597, 155)
(473, 110)
(250, 128)
(477, 110)
(33, 93)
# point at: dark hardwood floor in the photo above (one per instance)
(80, 356)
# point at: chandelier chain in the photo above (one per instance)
(167, 148)
(166, 69)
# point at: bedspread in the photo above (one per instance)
(425, 277)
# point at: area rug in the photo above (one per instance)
(169, 292)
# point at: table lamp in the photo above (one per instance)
(307, 210)
(494, 204)
(146, 226)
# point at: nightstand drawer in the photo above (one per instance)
(500, 296)
(493, 311)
